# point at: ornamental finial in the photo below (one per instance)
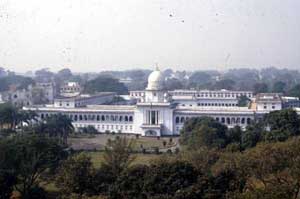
(156, 66)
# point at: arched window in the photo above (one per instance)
(223, 120)
(75, 117)
(248, 120)
(182, 119)
(243, 121)
(80, 117)
(228, 120)
(98, 118)
(177, 120)
(126, 118)
(130, 119)
(233, 120)
(102, 118)
(121, 118)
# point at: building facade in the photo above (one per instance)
(162, 113)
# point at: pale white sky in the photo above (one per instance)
(96, 35)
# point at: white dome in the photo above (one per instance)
(155, 80)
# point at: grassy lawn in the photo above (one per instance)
(97, 158)
(85, 142)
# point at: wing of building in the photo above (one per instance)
(159, 112)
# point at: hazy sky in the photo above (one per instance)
(95, 35)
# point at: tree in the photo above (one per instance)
(252, 135)
(8, 116)
(105, 84)
(295, 91)
(203, 131)
(234, 135)
(130, 184)
(286, 120)
(227, 84)
(117, 157)
(167, 178)
(20, 82)
(260, 88)
(30, 158)
(7, 182)
(173, 84)
(243, 101)
(75, 175)
(279, 87)
(57, 125)
(65, 74)
(198, 79)
(275, 169)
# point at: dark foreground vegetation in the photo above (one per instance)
(213, 162)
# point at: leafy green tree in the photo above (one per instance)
(251, 136)
(7, 182)
(8, 116)
(260, 88)
(295, 91)
(227, 84)
(64, 74)
(279, 87)
(30, 158)
(234, 135)
(7, 171)
(198, 79)
(172, 84)
(117, 155)
(130, 184)
(243, 101)
(275, 168)
(167, 178)
(20, 82)
(105, 84)
(76, 175)
(203, 131)
(286, 120)
(57, 125)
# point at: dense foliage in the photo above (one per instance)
(105, 84)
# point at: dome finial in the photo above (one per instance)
(156, 67)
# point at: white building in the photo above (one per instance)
(70, 89)
(159, 112)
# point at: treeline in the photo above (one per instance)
(259, 81)
(273, 127)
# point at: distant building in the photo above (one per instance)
(48, 90)
(291, 102)
(18, 97)
(268, 101)
(161, 113)
(84, 100)
(70, 89)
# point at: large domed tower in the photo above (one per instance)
(154, 114)
(155, 88)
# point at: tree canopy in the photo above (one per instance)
(105, 84)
